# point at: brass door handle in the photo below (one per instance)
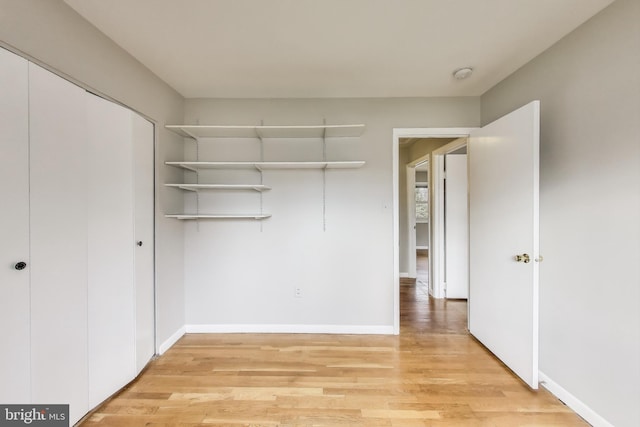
(523, 258)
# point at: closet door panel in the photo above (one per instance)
(143, 143)
(58, 239)
(110, 248)
(14, 229)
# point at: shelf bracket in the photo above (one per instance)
(324, 176)
(190, 169)
(260, 169)
(192, 136)
(197, 182)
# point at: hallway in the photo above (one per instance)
(424, 315)
(433, 374)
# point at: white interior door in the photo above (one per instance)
(143, 142)
(58, 241)
(14, 229)
(503, 202)
(456, 227)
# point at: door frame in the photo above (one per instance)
(411, 209)
(436, 255)
(458, 132)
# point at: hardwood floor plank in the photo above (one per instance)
(433, 374)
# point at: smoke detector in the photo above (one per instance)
(462, 73)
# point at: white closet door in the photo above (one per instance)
(14, 229)
(110, 248)
(143, 142)
(58, 237)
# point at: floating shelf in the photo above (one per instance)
(198, 187)
(218, 216)
(194, 166)
(241, 131)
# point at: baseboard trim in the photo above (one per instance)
(403, 275)
(171, 340)
(291, 329)
(591, 416)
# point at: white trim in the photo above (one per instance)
(410, 172)
(404, 275)
(591, 416)
(291, 329)
(395, 153)
(437, 228)
(432, 132)
(422, 247)
(171, 340)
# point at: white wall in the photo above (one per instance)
(237, 275)
(52, 34)
(422, 235)
(589, 87)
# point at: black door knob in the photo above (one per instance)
(139, 243)
(20, 265)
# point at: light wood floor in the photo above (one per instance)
(433, 374)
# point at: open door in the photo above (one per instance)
(504, 239)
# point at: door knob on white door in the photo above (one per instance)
(523, 258)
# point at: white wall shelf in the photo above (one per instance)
(198, 187)
(195, 166)
(263, 133)
(242, 131)
(218, 216)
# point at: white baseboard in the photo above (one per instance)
(422, 247)
(591, 416)
(171, 340)
(404, 275)
(291, 329)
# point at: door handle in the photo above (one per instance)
(523, 258)
(139, 243)
(20, 265)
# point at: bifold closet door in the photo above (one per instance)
(58, 241)
(110, 248)
(143, 154)
(14, 229)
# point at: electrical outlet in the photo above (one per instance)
(297, 292)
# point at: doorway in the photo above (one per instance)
(450, 221)
(421, 226)
(504, 246)
(405, 239)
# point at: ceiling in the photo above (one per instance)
(334, 48)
